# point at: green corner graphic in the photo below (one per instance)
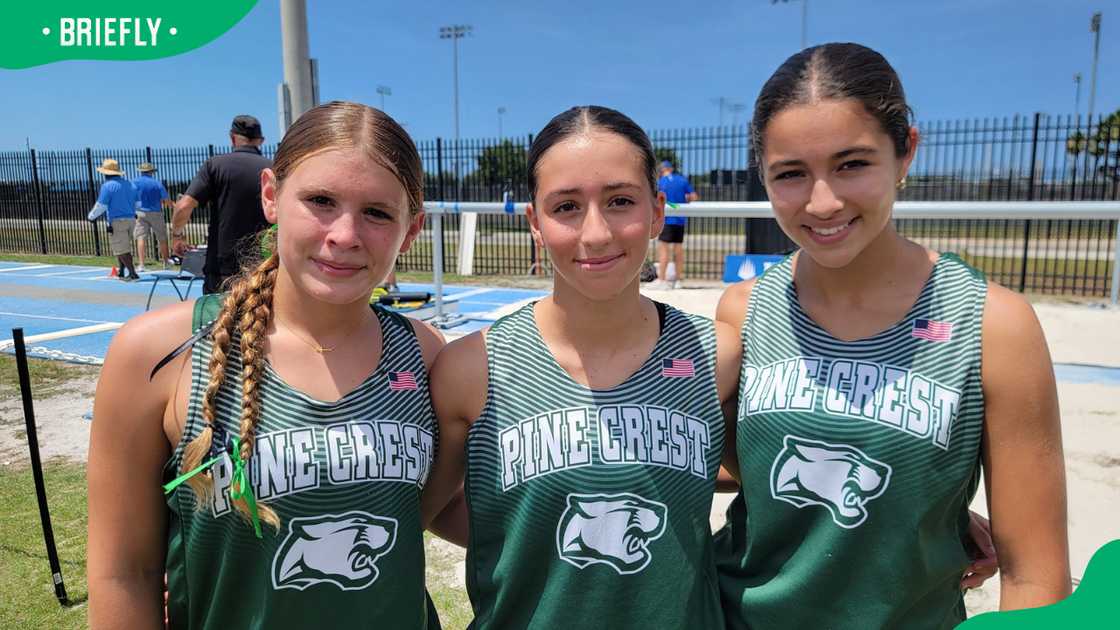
(1093, 605)
(37, 33)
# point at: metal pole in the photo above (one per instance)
(1077, 94)
(1030, 197)
(455, 83)
(1116, 267)
(93, 196)
(37, 465)
(1094, 27)
(804, 23)
(383, 91)
(36, 186)
(458, 175)
(437, 262)
(297, 63)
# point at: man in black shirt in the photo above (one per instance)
(231, 183)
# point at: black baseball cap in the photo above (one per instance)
(245, 125)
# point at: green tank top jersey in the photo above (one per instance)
(345, 479)
(858, 459)
(589, 508)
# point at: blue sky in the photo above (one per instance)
(661, 62)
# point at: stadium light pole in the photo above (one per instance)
(804, 20)
(1077, 94)
(720, 102)
(736, 109)
(501, 112)
(1095, 28)
(383, 91)
(456, 32)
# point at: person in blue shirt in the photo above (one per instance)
(677, 190)
(149, 216)
(118, 201)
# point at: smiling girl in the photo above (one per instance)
(299, 420)
(879, 379)
(592, 418)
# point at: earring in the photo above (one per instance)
(901, 184)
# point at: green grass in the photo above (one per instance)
(47, 377)
(60, 259)
(442, 581)
(26, 594)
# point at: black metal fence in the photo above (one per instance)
(45, 195)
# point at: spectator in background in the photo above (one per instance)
(677, 190)
(149, 216)
(118, 201)
(232, 182)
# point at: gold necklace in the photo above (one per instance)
(315, 346)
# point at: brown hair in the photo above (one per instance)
(835, 72)
(585, 119)
(248, 303)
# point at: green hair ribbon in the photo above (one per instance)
(170, 486)
(240, 488)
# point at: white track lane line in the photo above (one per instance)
(87, 270)
(55, 318)
(25, 268)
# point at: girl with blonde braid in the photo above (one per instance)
(294, 437)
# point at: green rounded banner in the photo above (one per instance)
(37, 33)
(1093, 605)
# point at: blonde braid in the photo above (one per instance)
(199, 447)
(256, 311)
(248, 306)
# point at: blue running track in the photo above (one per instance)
(43, 298)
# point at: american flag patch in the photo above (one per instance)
(677, 368)
(932, 330)
(399, 381)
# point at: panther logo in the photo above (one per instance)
(333, 549)
(839, 477)
(610, 529)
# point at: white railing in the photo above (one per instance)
(1016, 210)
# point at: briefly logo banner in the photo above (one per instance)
(37, 33)
(1092, 605)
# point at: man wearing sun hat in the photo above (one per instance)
(118, 201)
(149, 216)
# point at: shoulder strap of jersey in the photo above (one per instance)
(206, 309)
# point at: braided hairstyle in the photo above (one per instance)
(248, 304)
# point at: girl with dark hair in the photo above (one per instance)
(296, 433)
(878, 379)
(592, 418)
